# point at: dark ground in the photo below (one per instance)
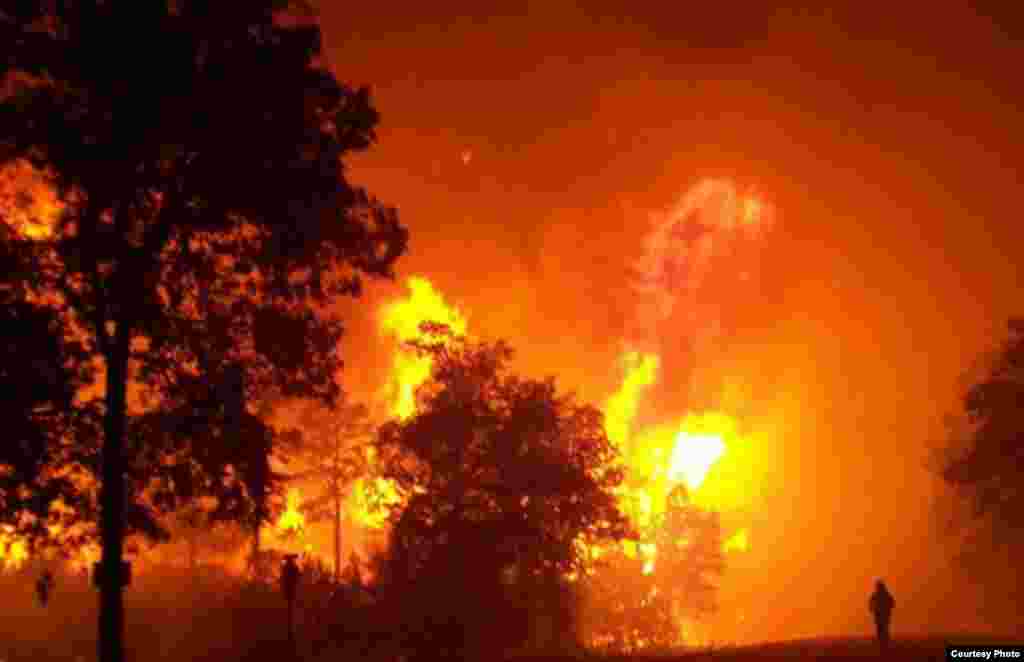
(903, 650)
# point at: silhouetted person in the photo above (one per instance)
(43, 587)
(881, 605)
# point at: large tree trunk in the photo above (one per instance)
(112, 503)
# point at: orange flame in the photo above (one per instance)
(28, 203)
(738, 542)
(371, 500)
(621, 407)
(658, 458)
(402, 320)
(13, 550)
(292, 521)
(693, 457)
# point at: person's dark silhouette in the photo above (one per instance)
(881, 605)
(43, 587)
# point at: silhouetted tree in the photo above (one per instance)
(226, 465)
(495, 470)
(207, 223)
(41, 369)
(331, 458)
(984, 462)
(202, 534)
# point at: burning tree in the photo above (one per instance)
(332, 457)
(497, 471)
(690, 558)
(625, 610)
(637, 603)
(206, 222)
(654, 588)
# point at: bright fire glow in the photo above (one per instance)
(621, 408)
(292, 520)
(28, 202)
(752, 211)
(371, 499)
(13, 551)
(737, 543)
(402, 320)
(650, 555)
(693, 457)
(658, 458)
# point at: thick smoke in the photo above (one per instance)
(686, 244)
(689, 242)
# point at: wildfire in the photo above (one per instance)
(662, 457)
(753, 211)
(372, 498)
(28, 203)
(371, 502)
(658, 458)
(693, 456)
(737, 543)
(402, 320)
(649, 553)
(292, 521)
(13, 551)
(621, 408)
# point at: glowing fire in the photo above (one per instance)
(737, 543)
(621, 408)
(649, 553)
(372, 498)
(292, 521)
(28, 203)
(693, 456)
(371, 502)
(13, 551)
(402, 320)
(753, 211)
(659, 458)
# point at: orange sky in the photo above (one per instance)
(889, 144)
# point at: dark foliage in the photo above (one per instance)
(989, 468)
(983, 463)
(497, 472)
(40, 371)
(207, 224)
